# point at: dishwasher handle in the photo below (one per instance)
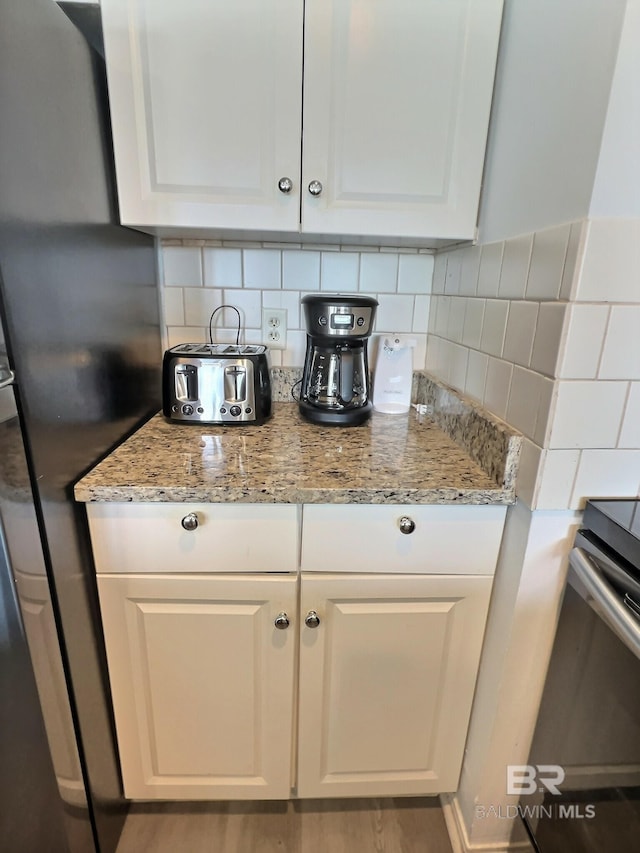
(603, 600)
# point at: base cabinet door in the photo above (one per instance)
(388, 666)
(202, 683)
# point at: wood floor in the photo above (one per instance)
(302, 826)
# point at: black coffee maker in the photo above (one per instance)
(335, 382)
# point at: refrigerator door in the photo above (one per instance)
(80, 312)
(44, 806)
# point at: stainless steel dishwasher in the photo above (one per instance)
(581, 789)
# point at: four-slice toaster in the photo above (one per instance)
(216, 384)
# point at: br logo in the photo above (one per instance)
(529, 778)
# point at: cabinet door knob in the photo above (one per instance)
(406, 524)
(312, 620)
(315, 187)
(285, 185)
(282, 621)
(190, 521)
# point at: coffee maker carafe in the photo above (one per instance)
(335, 382)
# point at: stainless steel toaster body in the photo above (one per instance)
(216, 384)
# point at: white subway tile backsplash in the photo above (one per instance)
(572, 260)
(477, 365)
(606, 473)
(199, 303)
(301, 270)
(470, 270)
(494, 326)
(490, 265)
(248, 303)
(455, 326)
(545, 403)
(262, 269)
(421, 318)
(556, 479)
(288, 299)
(186, 335)
(454, 271)
(222, 267)
(473, 317)
(439, 272)
(621, 351)
(530, 463)
(395, 313)
(442, 315)
(515, 267)
(497, 386)
(173, 306)
(588, 414)
(611, 261)
(379, 273)
(458, 369)
(630, 432)
(293, 356)
(415, 273)
(586, 329)
(182, 266)
(546, 344)
(521, 329)
(547, 262)
(339, 272)
(524, 398)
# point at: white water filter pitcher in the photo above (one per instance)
(393, 375)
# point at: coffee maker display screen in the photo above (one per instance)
(342, 321)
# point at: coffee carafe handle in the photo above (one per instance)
(346, 375)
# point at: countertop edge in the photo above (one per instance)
(294, 496)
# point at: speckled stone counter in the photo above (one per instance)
(390, 459)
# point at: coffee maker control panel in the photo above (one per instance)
(339, 316)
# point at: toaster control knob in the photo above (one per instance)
(190, 521)
(235, 411)
(187, 409)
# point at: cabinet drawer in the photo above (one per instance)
(445, 540)
(143, 537)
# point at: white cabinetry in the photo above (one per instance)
(202, 684)
(206, 100)
(205, 683)
(386, 682)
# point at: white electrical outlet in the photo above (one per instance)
(274, 327)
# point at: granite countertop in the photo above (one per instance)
(390, 459)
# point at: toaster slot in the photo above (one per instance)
(186, 376)
(235, 383)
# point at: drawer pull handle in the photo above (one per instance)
(407, 525)
(190, 521)
(282, 621)
(312, 620)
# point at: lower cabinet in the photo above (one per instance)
(386, 681)
(204, 681)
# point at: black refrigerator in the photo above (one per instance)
(80, 362)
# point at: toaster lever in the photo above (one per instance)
(235, 383)
(186, 382)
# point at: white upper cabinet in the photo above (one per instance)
(207, 110)
(397, 95)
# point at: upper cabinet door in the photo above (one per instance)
(397, 95)
(206, 106)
